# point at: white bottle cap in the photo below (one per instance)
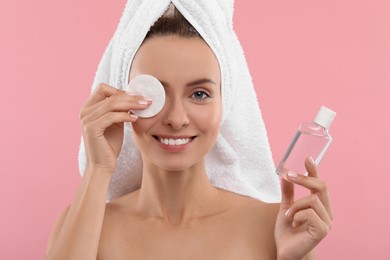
(324, 117)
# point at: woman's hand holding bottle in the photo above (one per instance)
(303, 223)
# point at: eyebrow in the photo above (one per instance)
(193, 83)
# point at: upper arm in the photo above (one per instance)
(57, 227)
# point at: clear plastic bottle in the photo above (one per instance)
(311, 139)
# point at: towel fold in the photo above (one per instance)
(241, 160)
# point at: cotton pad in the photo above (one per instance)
(147, 85)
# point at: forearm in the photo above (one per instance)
(79, 235)
(311, 255)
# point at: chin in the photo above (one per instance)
(177, 164)
(174, 167)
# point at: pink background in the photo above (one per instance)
(302, 54)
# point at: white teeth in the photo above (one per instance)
(170, 141)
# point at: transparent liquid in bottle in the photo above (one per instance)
(312, 140)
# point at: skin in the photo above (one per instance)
(177, 213)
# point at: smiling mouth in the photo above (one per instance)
(174, 141)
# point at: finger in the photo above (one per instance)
(311, 167)
(315, 226)
(287, 194)
(108, 119)
(320, 186)
(316, 186)
(128, 97)
(118, 103)
(312, 202)
(102, 92)
(313, 183)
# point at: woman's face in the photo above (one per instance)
(186, 128)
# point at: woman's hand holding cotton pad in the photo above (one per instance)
(149, 86)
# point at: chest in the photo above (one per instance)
(216, 239)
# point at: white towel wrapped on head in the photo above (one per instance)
(241, 160)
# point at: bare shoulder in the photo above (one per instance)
(121, 205)
(263, 210)
(255, 220)
(256, 207)
(261, 215)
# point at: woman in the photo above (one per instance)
(177, 213)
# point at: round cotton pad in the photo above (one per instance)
(147, 85)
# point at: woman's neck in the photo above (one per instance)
(176, 197)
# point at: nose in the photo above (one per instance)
(175, 113)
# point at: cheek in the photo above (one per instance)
(140, 128)
(207, 118)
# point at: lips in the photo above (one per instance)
(174, 140)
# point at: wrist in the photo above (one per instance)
(279, 257)
(287, 258)
(309, 256)
(98, 174)
(98, 170)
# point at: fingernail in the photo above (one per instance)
(133, 116)
(143, 102)
(311, 161)
(287, 212)
(147, 98)
(292, 175)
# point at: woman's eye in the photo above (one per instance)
(200, 95)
